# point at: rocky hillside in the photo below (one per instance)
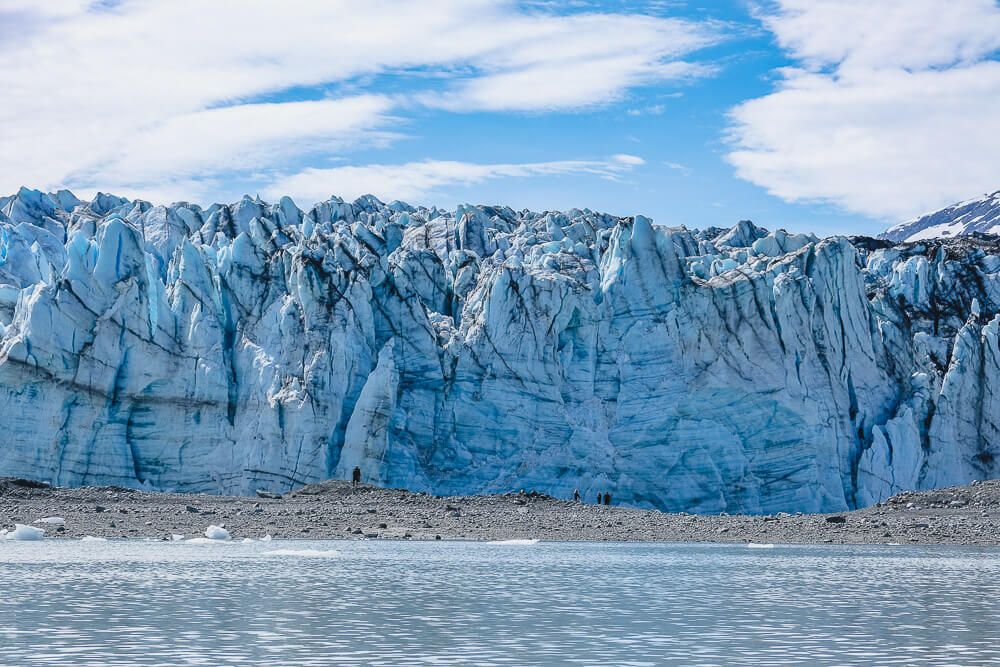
(975, 216)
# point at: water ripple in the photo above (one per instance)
(395, 603)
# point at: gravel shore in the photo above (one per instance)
(968, 515)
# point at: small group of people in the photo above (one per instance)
(602, 498)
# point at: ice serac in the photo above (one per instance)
(258, 346)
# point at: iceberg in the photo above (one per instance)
(214, 532)
(256, 346)
(23, 533)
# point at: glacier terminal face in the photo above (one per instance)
(258, 346)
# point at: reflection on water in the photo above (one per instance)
(397, 603)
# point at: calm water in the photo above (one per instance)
(392, 603)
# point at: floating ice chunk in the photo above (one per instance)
(514, 542)
(247, 540)
(757, 545)
(304, 553)
(24, 533)
(176, 537)
(54, 520)
(214, 532)
(266, 538)
(91, 538)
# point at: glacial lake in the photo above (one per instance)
(449, 603)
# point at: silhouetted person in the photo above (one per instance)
(356, 476)
(576, 495)
(600, 498)
(607, 498)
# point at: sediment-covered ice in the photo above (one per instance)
(53, 520)
(258, 346)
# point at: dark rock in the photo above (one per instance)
(28, 483)
(836, 519)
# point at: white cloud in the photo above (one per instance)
(419, 181)
(247, 136)
(116, 95)
(677, 166)
(631, 160)
(891, 112)
(860, 34)
(578, 61)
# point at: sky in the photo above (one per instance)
(833, 117)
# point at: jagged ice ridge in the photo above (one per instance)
(259, 346)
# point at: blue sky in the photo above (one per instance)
(830, 116)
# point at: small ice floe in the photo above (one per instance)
(758, 545)
(214, 532)
(91, 538)
(247, 540)
(24, 533)
(53, 520)
(266, 538)
(304, 553)
(176, 537)
(515, 542)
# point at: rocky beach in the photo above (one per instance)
(966, 515)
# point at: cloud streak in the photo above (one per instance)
(423, 180)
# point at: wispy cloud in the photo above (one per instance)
(122, 95)
(247, 137)
(677, 166)
(890, 112)
(420, 181)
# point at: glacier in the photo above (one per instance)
(259, 346)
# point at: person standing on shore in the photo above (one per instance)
(356, 476)
(600, 498)
(576, 495)
(607, 498)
